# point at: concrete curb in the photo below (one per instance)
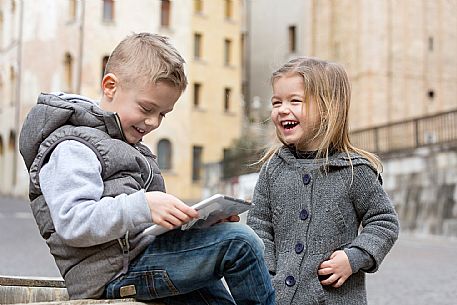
(47, 291)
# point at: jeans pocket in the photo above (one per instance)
(143, 285)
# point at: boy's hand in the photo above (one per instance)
(168, 211)
(338, 267)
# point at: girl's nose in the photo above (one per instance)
(284, 109)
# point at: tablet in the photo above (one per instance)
(210, 211)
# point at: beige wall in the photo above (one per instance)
(208, 125)
(49, 33)
(385, 48)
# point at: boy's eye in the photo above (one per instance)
(146, 109)
(162, 114)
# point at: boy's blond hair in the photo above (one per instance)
(146, 58)
(328, 84)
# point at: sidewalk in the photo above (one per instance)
(420, 270)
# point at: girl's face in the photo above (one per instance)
(295, 121)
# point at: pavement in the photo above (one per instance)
(420, 270)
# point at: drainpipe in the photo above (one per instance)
(81, 47)
(17, 110)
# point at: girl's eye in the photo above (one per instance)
(276, 103)
(295, 101)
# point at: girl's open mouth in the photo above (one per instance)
(287, 125)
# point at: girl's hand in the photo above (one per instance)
(338, 267)
(168, 211)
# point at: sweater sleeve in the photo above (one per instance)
(379, 220)
(359, 259)
(260, 219)
(72, 185)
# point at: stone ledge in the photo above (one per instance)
(95, 302)
(48, 291)
(32, 281)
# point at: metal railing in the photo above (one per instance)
(434, 129)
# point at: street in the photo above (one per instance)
(418, 271)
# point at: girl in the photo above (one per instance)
(316, 190)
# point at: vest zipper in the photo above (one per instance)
(125, 247)
(118, 122)
(149, 180)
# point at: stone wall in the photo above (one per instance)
(422, 185)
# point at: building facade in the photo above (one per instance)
(52, 45)
(398, 54)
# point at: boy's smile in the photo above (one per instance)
(141, 109)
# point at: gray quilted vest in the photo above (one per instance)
(126, 169)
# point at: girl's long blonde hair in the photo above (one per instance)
(328, 84)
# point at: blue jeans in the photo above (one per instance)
(186, 267)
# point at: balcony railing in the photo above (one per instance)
(435, 129)
(400, 136)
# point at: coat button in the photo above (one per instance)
(304, 214)
(290, 281)
(299, 247)
(306, 179)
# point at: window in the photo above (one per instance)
(430, 43)
(227, 51)
(2, 99)
(431, 94)
(165, 13)
(108, 10)
(197, 46)
(292, 39)
(243, 48)
(1, 29)
(72, 8)
(197, 152)
(12, 140)
(198, 6)
(197, 94)
(12, 86)
(104, 62)
(227, 98)
(228, 9)
(164, 154)
(1, 146)
(68, 72)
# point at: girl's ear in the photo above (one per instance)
(109, 85)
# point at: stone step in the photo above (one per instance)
(47, 291)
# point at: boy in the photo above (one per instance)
(94, 187)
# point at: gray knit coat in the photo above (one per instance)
(303, 213)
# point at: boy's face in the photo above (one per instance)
(140, 109)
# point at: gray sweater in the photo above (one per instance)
(304, 213)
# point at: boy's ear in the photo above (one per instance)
(109, 85)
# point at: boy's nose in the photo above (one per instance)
(154, 123)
